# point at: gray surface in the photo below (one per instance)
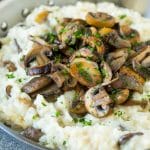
(9, 143)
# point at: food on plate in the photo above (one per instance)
(77, 76)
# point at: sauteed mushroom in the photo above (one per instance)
(141, 63)
(100, 19)
(130, 34)
(71, 33)
(117, 58)
(41, 54)
(106, 72)
(97, 101)
(32, 133)
(50, 92)
(129, 79)
(120, 96)
(35, 84)
(8, 90)
(10, 66)
(125, 138)
(85, 72)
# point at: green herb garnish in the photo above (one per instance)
(35, 117)
(43, 104)
(50, 37)
(64, 143)
(83, 121)
(10, 76)
(63, 30)
(78, 34)
(122, 16)
(58, 114)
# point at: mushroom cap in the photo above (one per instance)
(85, 72)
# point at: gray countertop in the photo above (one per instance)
(9, 143)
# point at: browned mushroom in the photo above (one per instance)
(35, 84)
(10, 66)
(32, 133)
(129, 79)
(97, 101)
(71, 33)
(117, 58)
(106, 72)
(100, 19)
(129, 34)
(125, 138)
(141, 63)
(85, 72)
(121, 96)
(41, 54)
(8, 90)
(50, 92)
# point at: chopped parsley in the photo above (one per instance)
(83, 121)
(35, 117)
(78, 34)
(97, 35)
(10, 76)
(122, 16)
(119, 113)
(63, 30)
(22, 58)
(58, 114)
(91, 48)
(84, 73)
(43, 104)
(50, 37)
(104, 73)
(64, 143)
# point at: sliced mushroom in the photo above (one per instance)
(58, 77)
(106, 72)
(8, 90)
(130, 34)
(32, 133)
(117, 58)
(129, 79)
(50, 92)
(100, 19)
(10, 66)
(111, 37)
(95, 43)
(97, 101)
(41, 54)
(85, 72)
(120, 96)
(125, 138)
(141, 63)
(83, 52)
(35, 84)
(71, 33)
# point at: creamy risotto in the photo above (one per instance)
(126, 126)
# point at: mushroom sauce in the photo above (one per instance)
(77, 77)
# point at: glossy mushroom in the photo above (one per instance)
(117, 58)
(100, 19)
(85, 72)
(141, 63)
(97, 101)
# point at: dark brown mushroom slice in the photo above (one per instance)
(115, 40)
(32, 133)
(139, 46)
(129, 34)
(100, 19)
(117, 59)
(97, 101)
(39, 70)
(132, 102)
(78, 107)
(10, 66)
(128, 79)
(58, 78)
(35, 84)
(106, 72)
(8, 90)
(50, 92)
(125, 138)
(71, 33)
(141, 63)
